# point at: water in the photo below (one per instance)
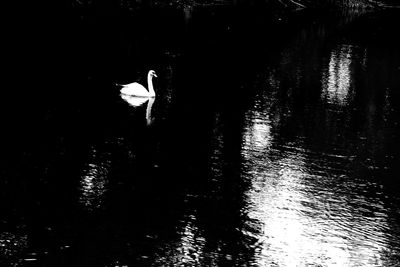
(271, 142)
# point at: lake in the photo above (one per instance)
(272, 140)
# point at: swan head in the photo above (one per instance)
(152, 74)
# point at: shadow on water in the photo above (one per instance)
(271, 141)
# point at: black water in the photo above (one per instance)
(272, 140)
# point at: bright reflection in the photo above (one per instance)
(139, 101)
(337, 79)
(93, 183)
(12, 245)
(188, 250)
(302, 216)
(190, 245)
(257, 135)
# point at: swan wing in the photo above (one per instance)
(134, 89)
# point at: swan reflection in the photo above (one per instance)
(139, 101)
(93, 184)
(338, 78)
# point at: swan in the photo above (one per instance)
(138, 90)
(134, 101)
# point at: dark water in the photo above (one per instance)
(272, 140)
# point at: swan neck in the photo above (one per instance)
(150, 85)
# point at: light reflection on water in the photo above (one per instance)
(286, 180)
(93, 184)
(306, 219)
(12, 246)
(338, 77)
(187, 249)
(309, 210)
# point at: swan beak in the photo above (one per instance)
(155, 75)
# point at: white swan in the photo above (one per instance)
(138, 90)
(134, 101)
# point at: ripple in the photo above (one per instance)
(309, 214)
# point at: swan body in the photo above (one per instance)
(138, 90)
(134, 101)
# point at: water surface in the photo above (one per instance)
(271, 142)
